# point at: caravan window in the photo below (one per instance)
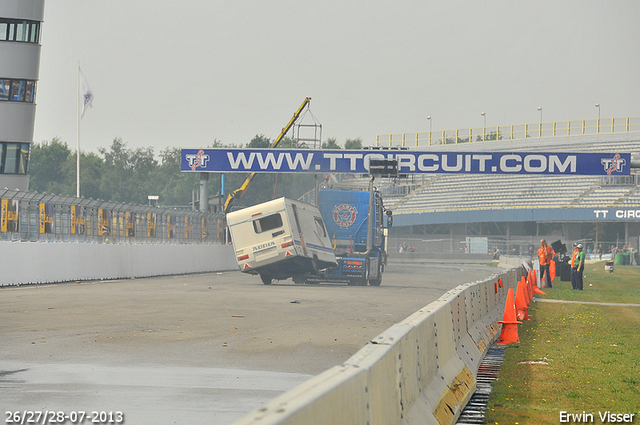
(267, 223)
(320, 227)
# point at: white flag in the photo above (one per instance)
(87, 94)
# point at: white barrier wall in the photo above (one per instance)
(420, 371)
(41, 262)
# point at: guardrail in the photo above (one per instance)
(32, 216)
(421, 370)
(510, 132)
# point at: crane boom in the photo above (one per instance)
(238, 193)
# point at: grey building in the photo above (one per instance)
(20, 30)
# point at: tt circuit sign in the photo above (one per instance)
(617, 214)
(409, 162)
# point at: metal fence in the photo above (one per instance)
(510, 132)
(518, 245)
(32, 217)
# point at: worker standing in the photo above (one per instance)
(573, 258)
(545, 254)
(578, 267)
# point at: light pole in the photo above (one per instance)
(540, 128)
(484, 129)
(598, 123)
(429, 118)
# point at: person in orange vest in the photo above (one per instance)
(545, 254)
(573, 258)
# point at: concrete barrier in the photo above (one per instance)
(420, 371)
(41, 262)
(509, 262)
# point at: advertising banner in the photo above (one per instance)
(9, 216)
(47, 223)
(151, 225)
(409, 162)
(118, 225)
(188, 228)
(204, 228)
(130, 225)
(171, 226)
(104, 222)
(77, 220)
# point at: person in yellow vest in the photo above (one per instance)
(545, 254)
(573, 258)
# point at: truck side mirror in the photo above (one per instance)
(389, 219)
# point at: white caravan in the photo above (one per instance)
(280, 239)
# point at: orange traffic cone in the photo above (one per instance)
(525, 293)
(537, 290)
(534, 286)
(509, 332)
(522, 309)
(496, 284)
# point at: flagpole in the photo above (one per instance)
(78, 138)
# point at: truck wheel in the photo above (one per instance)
(267, 280)
(378, 281)
(375, 282)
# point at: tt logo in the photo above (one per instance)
(197, 160)
(614, 164)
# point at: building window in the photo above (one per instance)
(17, 90)
(19, 30)
(14, 158)
(5, 86)
(30, 92)
(23, 161)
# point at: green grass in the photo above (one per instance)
(621, 286)
(592, 351)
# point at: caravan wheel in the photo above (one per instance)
(267, 280)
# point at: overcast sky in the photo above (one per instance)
(186, 73)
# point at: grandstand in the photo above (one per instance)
(452, 201)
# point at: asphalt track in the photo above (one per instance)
(197, 349)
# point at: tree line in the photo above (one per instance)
(123, 174)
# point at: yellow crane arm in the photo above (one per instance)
(237, 194)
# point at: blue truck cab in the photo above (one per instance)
(345, 213)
